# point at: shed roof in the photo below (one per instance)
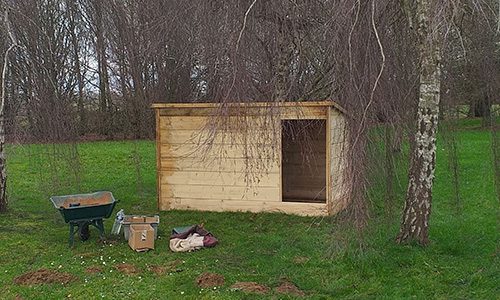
(253, 104)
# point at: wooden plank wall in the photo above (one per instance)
(202, 171)
(212, 175)
(338, 146)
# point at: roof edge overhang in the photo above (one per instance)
(251, 105)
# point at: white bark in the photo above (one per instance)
(3, 170)
(417, 209)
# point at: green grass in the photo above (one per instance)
(460, 263)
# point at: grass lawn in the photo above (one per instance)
(269, 249)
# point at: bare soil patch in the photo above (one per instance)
(107, 241)
(128, 269)
(209, 280)
(299, 260)
(44, 276)
(159, 270)
(84, 254)
(289, 288)
(250, 287)
(94, 269)
(175, 262)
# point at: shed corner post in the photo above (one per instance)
(158, 157)
(329, 156)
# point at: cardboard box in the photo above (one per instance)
(137, 219)
(141, 237)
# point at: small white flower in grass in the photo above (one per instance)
(215, 287)
(103, 262)
(101, 257)
(103, 277)
(60, 266)
(182, 293)
(52, 263)
(110, 271)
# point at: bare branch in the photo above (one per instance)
(244, 24)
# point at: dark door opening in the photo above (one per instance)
(303, 161)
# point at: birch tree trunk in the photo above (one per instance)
(3, 167)
(417, 207)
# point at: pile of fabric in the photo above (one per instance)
(194, 238)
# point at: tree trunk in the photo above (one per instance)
(3, 167)
(104, 94)
(72, 12)
(486, 110)
(284, 62)
(417, 208)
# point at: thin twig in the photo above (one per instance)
(244, 24)
(375, 85)
(349, 41)
(238, 45)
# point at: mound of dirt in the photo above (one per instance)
(128, 269)
(209, 280)
(289, 288)
(44, 276)
(94, 269)
(250, 287)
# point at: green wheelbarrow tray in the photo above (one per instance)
(82, 210)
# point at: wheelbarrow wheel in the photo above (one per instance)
(84, 232)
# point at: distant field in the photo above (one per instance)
(270, 249)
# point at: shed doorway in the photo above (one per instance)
(303, 160)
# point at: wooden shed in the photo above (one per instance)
(251, 157)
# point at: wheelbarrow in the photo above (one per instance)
(82, 210)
